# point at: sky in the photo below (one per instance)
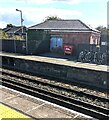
(91, 12)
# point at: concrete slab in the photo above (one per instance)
(22, 104)
(5, 96)
(47, 111)
(36, 107)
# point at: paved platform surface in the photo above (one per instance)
(35, 107)
(58, 61)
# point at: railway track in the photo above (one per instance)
(73, 99)
(77, 87)
(73, 83)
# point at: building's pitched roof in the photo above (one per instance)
(6, 29)
(62, 25)
(14, 29)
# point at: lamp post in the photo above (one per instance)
(22, 29)
(21, 18)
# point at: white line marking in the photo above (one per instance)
(35, 107)
(11, 97)
(76, 116)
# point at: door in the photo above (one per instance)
(59, 42)
(55, 43)
(52, 43)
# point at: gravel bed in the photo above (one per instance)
(58, 91)
(73, 87)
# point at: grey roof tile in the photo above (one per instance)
(63, 25)
(14, 29)
(60, 24)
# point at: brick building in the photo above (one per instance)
(67, 32)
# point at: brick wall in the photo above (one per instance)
(74, 38)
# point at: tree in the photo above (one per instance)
(52, 18)
(104, 32)
(3, 35)
(9, 25)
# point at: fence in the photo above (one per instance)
(90, 47)
(13, 46)
(23, 47)
(93, 54)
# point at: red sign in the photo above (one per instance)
(68, 49)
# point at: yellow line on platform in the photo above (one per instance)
(6, 112)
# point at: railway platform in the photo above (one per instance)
(61, 69)
(15, 104)
(57, 61)
(7, 112)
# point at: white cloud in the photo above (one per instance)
(59, 1)
(49, 1)
(39, 1)
(9, 16)
(3, 24)
(36, 15)
(95, 23)
(39, 14)
(69, 1)
(7, 10)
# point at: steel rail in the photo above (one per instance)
(38, 81)
(60, 99)
(74, 81)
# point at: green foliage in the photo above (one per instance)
(9, 25)
(16, 37)
(5, 36)
(52, 18)
(105, 32)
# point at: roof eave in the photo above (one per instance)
(89, 30)
(57, 29)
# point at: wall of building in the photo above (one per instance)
(78, 38)
(38, 41)
(74, 38)
(37, 47)
(38, 35)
